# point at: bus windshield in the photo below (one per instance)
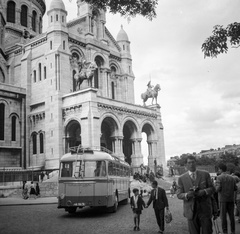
(83, 169)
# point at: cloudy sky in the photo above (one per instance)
(199, 97)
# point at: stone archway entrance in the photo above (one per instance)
(72, 135)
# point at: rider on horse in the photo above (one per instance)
(149, 89)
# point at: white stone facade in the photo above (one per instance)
(58, 114)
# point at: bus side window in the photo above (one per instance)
(110, 168)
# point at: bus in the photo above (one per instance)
(92, 177)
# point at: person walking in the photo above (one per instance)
(137, 205)
(237, 201)
(226, 186)
(32, 190)
(160, 202)
(195, 188)
(37, 190)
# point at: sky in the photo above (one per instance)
(199, 98)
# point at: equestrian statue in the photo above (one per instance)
(83, 71)
(152, 92)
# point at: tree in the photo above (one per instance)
(128, 8)
(221, 37)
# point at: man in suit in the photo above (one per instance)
(195, 189)
(226, 186)
(160, 201)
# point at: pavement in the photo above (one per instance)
(15, 201)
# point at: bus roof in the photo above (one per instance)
(91, 155)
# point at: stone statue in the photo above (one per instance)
(150, 93)
(84, 71)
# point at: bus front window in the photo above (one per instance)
(66, 169)
(95, 168)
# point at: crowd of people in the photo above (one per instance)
(30, 190)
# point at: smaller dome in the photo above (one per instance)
(57, 4)
(122, 35)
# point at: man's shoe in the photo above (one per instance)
(138, 229)
(135, 228)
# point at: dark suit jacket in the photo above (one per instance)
(140, 203)
(162, 200)
(226, 186)
(203, 181)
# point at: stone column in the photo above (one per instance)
(150, 155)
(18, 16)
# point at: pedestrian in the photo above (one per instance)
(226, 186)
(137, 205)
(237, 201)
(160, 202)
(195, 188)
(25, 190)
(173, 189)
(32, 190)
(37, 190)
(42, 176)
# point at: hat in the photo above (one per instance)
(149, 83)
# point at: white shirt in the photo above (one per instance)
(135, 199)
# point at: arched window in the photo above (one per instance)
(99, 61)
(34, 140)
(113, 91)
(14, 119)
(24, 16)
(34, 20)
(41, 143)
(40, 24)
(2, 121)
(11, 12)
(40, 71)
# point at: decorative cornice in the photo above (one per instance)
(71, 109)
(38, 42)
(34, 118)
(126, 110)
(75, 22)
(74, 41)
(115, 57)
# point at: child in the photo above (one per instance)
(137, 205)
(173, 189)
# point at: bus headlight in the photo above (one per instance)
(62, 196)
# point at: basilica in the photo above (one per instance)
(70, 85)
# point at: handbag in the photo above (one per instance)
(168, 216)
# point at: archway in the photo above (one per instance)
(72, 135)
(129, 130)
(108, 131)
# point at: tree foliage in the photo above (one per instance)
(220, 39)
(128, 8)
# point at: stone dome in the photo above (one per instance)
(57, 4)
(122, 35)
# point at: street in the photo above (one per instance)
(49, 219)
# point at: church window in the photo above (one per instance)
(129, 69)
(63, 19)
(2, 120)
(40, 71)
(41, 143)
(2, 77)
(113, 91)
(34, 20)
(11, 7)
(52, 133)
(51, 18)
(123, 47)
(45, 72)
(34, 76)
(56, 17)
(14, 119)
(50, 45)
(34, 140)
(40, 24)
(24, 15)
(64, 45)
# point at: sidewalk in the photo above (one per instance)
(16, 201)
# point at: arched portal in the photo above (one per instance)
(108, 131)
(149, 144)
(129, 130)
(72, 135)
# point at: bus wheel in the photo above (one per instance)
(113, 209)
(72, 210)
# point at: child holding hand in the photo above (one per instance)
(137, 205)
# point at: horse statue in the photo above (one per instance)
(84, 71)
(151, 94)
